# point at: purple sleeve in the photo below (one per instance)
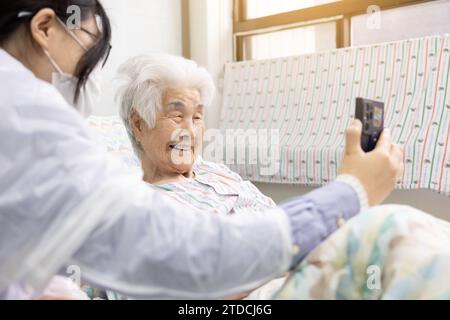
(316, 215)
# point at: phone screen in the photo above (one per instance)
(377, 117)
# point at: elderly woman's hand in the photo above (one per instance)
(377, 170)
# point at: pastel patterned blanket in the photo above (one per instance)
(387, 252)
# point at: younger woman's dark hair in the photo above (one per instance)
(11, 20)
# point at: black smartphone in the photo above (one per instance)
(371, 115)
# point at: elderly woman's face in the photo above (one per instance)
(173, 145)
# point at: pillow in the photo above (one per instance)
(111, 134)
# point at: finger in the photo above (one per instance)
(353, 138)
(385, 141)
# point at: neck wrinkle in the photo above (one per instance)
(154, 176)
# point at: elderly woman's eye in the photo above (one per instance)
(176, 116)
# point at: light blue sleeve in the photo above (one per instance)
(316, 215)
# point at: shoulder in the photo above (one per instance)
(21, 92)
(36, 118)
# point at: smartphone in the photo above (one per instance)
(371, 115)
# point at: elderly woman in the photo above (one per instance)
(162, 104)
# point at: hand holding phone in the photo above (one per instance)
(379, 169)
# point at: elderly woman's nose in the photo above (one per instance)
(189, 126)
(183, 134)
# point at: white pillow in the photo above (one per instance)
(110, 133)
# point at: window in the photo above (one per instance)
(261, 8)
(274, 28)
(290, 42)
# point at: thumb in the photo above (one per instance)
(353, 138)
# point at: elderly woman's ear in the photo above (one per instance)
(137, 125)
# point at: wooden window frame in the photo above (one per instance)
(340, 12)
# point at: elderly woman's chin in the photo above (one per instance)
(182, 161)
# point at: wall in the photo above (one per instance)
(414, 21)
(428, 201)
(211, 43)
(138, 26)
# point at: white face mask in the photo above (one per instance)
(66, 84)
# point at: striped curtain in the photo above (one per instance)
(310, 100)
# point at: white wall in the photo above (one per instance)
(425, 200)
(138, 26)
(420, 20)
(211, 40)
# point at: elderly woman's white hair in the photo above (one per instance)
(146, 77)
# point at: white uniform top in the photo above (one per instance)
(64, 202)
